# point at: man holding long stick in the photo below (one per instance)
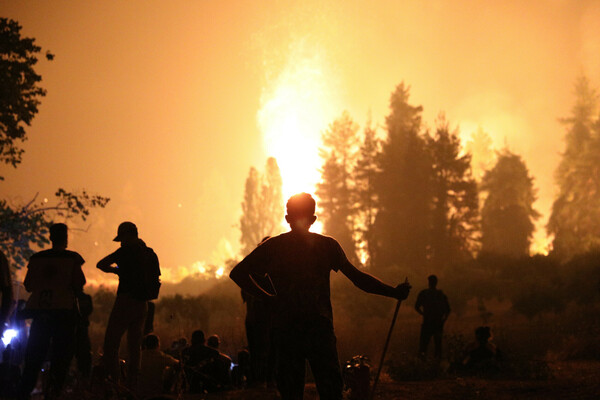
(299, 264)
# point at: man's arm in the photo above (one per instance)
(370, 284)
(240, 274)
(78, 278)
(106, 264)
(446, 309)
(419, 305)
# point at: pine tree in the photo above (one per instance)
(272, 198)
(335, 188)
(480, 146)
(365, 198)
(575, 217)
(507, 217)
(403, 188)
(262, 207)
(455, 202)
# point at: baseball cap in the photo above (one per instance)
(125, 229)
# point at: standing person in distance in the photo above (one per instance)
(433, 305)
(299, 263)
(138, 269)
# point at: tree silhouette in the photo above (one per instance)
(24, 227)
(403, 187)
(19, 86)
(262, 207)
(575, 217)
(455, 207)
(335, 188)
(365, 197)
(507, 217)
(480, 146)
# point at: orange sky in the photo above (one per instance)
(164, 106)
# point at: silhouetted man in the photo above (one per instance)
(130, 308)
(259, 323)
(54, 278)
(7, 293)
(433, 305)
(299, 263)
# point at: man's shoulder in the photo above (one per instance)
(324, 238)
(52, 253)
(73, 254)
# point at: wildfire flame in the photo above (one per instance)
(296, 107)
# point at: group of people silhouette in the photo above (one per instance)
(285, 282)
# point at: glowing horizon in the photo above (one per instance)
(296, 108)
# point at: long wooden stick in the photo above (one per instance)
(387, 342)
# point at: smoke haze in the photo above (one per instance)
(164, 106)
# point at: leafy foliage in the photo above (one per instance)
(20, 92)
(24, 228)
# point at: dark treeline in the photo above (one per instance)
(407, 203)
(406, 200)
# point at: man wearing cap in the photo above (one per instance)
(130, 308)
(55, 279)
(299, 263)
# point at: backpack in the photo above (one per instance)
(150, 275)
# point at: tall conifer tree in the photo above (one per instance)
(365, 196)
(335, 189)
(507, 217)
(262, 207)
(403, 187)
(454, 202)
(575, 217)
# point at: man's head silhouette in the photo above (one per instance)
(301, 211)
(433, 280)
(59, 235)
(126, 233)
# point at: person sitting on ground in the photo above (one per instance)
(482, 355)
(153, 371)
(177, 347)
(223, 363)
(199, 363)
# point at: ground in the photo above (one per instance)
(572, 381)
